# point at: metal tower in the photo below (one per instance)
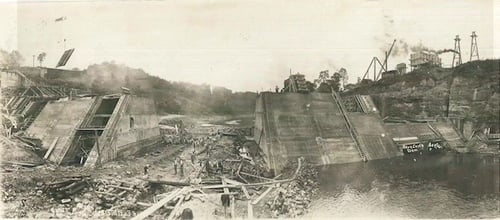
(458, 53)
(474, 51)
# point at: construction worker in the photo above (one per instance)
(226, 202)
(277, 89)
(220, 168)
(176, 162)
(208, 167)
(181, 165)
(193, 157)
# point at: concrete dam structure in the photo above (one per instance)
(318, 126)
(91, 131)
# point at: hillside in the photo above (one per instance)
(169, 97)
(470, 91)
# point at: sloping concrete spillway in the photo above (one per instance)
(93, 131)
(317, 127)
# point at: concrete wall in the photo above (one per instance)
(52, 73)
(419, 130)
(259, 120)
(375, 141)
(450, 134)
(285, 129)
(145, 123)
(127, 137)
(59, 120)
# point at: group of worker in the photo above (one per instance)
(211, 166)
(278, 90)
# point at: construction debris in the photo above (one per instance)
(64, 189)
(222, 163)
(292, 199)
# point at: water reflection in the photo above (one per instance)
(437, 186)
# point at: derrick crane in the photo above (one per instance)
(383, 65)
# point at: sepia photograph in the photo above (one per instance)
(249, 109)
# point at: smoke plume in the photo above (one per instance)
(400, 48)
(420, 47)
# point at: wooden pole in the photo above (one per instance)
(158, 205)
(262, 195)
(51, 148)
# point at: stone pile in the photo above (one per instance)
(292, 199)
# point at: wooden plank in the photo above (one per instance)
(90, 129)
(249, 184)
(122, 193)
(51, 148)
(233, 182)
(159, 204)
(259, 177)
(144, 204)
(245, 191)
(106, 193)
(24, 164)
(174, 211)
(166, 182)
(262, 195)
(121, 187)
(226, 190)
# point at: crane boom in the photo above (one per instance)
(387, 54)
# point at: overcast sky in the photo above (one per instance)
(245, 45)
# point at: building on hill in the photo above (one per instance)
(14, 79)
(296, 83)
(401, 68)
(422, 58)
(390, 73)
(53, 73)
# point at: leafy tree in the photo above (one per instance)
(322, 78)
(335, 83)
(41, 57)
(310, 86)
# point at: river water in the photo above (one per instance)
(431, 186)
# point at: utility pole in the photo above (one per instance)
(458, 52)
(474, 51)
